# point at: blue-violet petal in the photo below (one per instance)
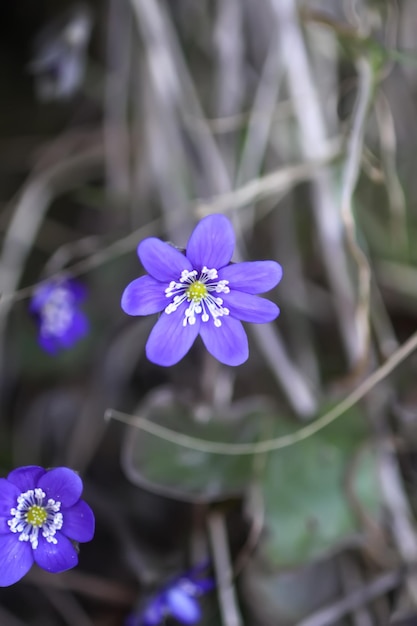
(161, 260)
(211, 243)
(249, 308)
(227, 343)
(79, 328)
(62, 484)
(154, 612)
(144, 296)
(26, 477)
(252, 276)
(49, 343)
(169, 340)
(16, 559)
(183, 607)
(55, 557)
(77, 289)
(9, 494)
(78, 522)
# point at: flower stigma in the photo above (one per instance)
(33, 514)
(36, 515)
(198, 290)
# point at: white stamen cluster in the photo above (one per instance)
(57, 312)
(199, 291)
(33, 514)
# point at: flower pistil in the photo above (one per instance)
(197, 289)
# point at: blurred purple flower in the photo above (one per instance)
(41, 516)
(60, 50)
(178, 599)
(55, 306)
(201, 293)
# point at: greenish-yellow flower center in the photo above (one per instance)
(196, 291)
(36, 515)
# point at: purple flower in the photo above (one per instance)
(59, 61)
(178, 599)
(55, 306)
(201, 293)
(41, 516)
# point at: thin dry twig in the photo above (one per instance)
(352, 579)
(255, 509)
(385, 337)
(331, 615)
(172, 83)
(402, 519)
(313, 140)
(399, 280)
(298, 391)
(280, 442)
(30, 211)
(224, 571)
(393, 186)
(110, 592)
(112, 251)
(294, 290)
(116, 132)
(283, 179)
(230, 71)
(280, 181)
(163, 132)
(163, 139)
(349, 181)
(261, 116)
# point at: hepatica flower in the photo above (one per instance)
(201, 293)
(179, 599)
(42, 518)
(55, 307)
(59, 61)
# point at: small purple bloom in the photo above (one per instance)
(178, 599)
(42, 518)
(201, 293)
(60, 322)
(59, 61)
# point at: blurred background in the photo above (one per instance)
(123, 119)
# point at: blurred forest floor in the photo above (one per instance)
(125, 119)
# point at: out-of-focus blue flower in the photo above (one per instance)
(55, 307)
(59, 60)
(179, 599)
(41, 516)
(201, 293)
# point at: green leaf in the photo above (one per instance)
(307, 509)
(272, 596)
(191, 475)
